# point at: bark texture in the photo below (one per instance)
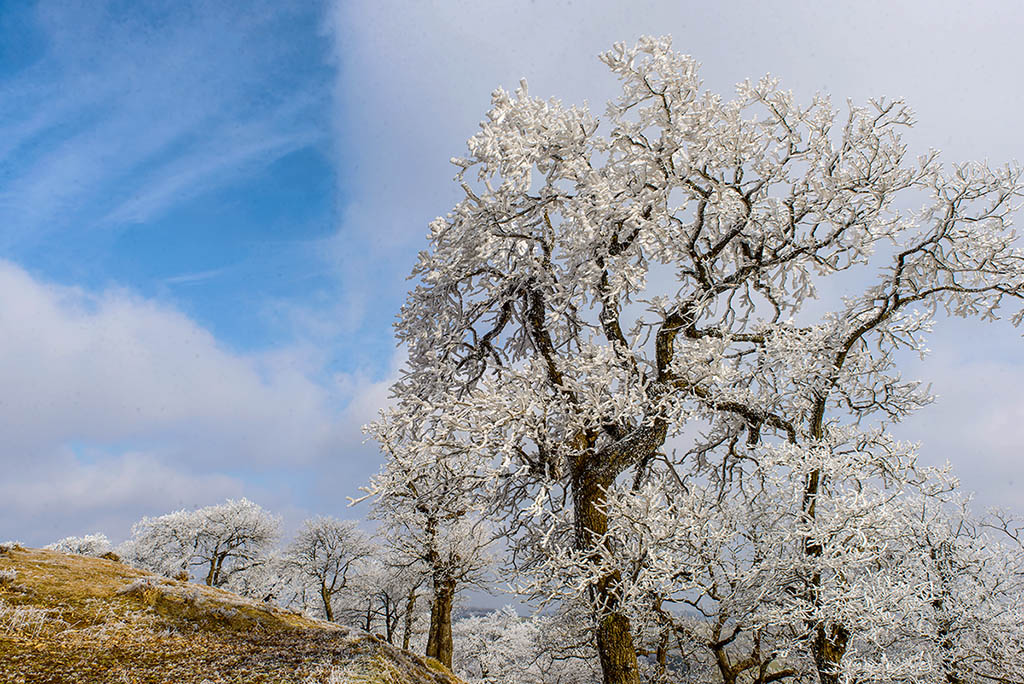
(325, 596)
(410, 605)
(615, 645)
(439, 636)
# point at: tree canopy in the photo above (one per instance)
(614, 329)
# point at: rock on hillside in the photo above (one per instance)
(67, 618)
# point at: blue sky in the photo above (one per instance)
(182, 150)
(208, 211)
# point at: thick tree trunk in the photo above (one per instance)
(829, 648)
(410, 605)
(614, 635)
(213, 576)
(439, 637)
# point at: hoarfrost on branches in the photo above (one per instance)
(220, 540)
(324, 556)
(610, 287)
(505, 648)
(87, 545)
(429, 498)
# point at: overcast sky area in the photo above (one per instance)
(208, 211)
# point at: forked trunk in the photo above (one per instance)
(368, 616)
(614, 635)
(213, 576)
(439, 637)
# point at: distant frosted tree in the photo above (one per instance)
(88, 545)
(430, 499)
(505, 648)
(969, 624)
(271, 577)
(220, 540)
(385, 595)
(324, 556)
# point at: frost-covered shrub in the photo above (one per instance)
(88, 545)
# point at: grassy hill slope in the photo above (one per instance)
(67, 618)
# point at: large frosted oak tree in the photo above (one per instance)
(607, 283)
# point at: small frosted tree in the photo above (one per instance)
(220, 540)
(385, 595)
(271, 578)
(969, 624)
(430, 499)
(325, 555)
(608, 286)
(503, 647)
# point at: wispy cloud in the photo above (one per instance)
(196, 277)
(125, 115)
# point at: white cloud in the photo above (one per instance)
(63, 493)
(110, 403)
(111, 366)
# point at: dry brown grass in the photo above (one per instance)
(89, 620)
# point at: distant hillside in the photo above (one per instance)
(76, 619)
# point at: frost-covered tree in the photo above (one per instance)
(429, 500)
(87, 545)
(609, 288)
(325, 555)
(220, 540)
(720, 574)
(271, 578)
(505, 648)
(384, 596)
(967, 625)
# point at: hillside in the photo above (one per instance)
(76, 619)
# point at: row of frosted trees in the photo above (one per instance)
(332, 570)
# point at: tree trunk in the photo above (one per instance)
(829, 643)
(368, 618)
(410, 605)
(213, 576)
(211, 573)
(614, 635)
(389, 619)
(439, 638)
(325, 596)
(829, 648)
